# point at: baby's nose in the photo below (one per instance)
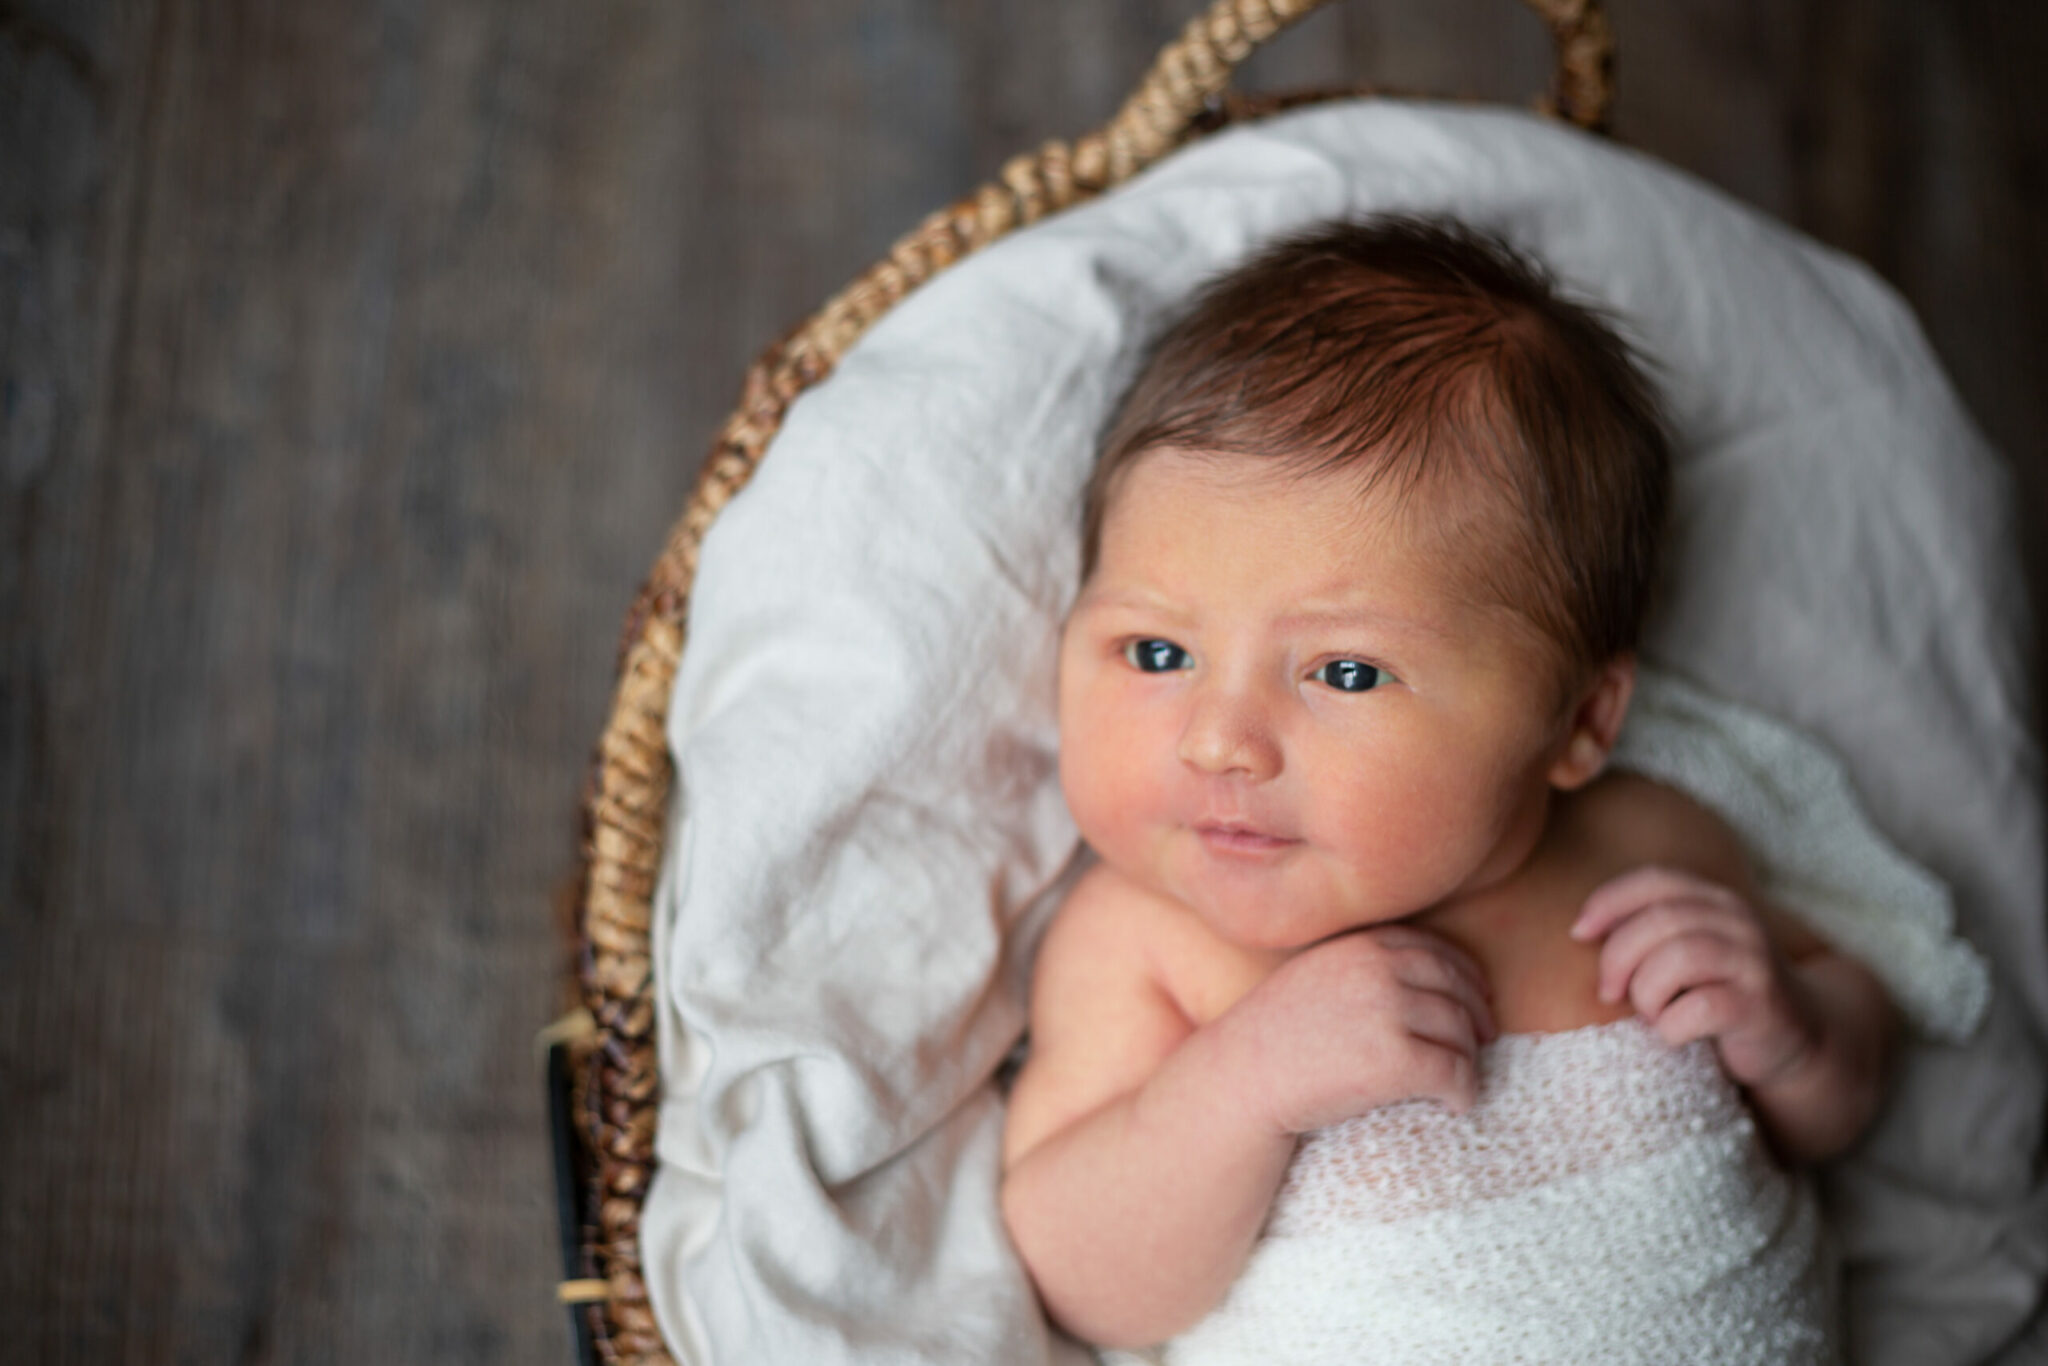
(1230, 735)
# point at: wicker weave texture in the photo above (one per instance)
(1183, 95)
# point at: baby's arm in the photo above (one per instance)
(1143, 1150)
(1806, 1031)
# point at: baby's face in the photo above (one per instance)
(1281, 707)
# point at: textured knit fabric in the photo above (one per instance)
(1606, 1200)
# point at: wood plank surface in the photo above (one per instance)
(353, 361)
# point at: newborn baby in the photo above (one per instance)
(1388, 1022)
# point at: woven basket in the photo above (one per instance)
(604, 1074)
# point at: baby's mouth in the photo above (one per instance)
(1235, 837)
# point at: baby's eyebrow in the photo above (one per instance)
(1130, 599)
(1357, 617)
(1362, 616)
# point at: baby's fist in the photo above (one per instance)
(1362, 1020)
(1695, 961)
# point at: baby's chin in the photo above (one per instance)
(1253, 925)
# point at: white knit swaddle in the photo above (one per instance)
(1606, 1200)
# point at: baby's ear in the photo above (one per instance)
(1595, 724)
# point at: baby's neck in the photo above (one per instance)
(1518, 928)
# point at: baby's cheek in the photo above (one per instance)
(1390, 850)
(1107, 797)
(1081, 781)
(1093, 799)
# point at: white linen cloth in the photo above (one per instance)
(868, 833)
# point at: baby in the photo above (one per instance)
(1377, 965)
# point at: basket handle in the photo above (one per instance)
(1195, 69)
(1186, 80)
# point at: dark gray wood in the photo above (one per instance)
(353, 361)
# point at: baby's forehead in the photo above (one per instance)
(1468, 506)
(1468, 527)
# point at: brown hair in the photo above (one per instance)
(1416, 349)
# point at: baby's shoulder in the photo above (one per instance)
(1112, 934)
(1105, 914)
(1623, 820)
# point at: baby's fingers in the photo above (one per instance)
(1456, 1080)
(1705, 1012)
(1649, 932)
(1617, 899)
(1431, 963)
(1443, 1061)
(1433, 977)
(1410, 940)
(1442, 1020)
(1686, 962)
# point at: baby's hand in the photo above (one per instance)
(1695, 961)
(1363, 1020)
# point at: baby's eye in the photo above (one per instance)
(1156, 656)
(1351, 675)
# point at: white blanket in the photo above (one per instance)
(868, 831)
(1606, 1201)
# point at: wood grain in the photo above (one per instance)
(353, 361)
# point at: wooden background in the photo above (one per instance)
(353, 359)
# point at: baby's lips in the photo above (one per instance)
(1242, 835)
